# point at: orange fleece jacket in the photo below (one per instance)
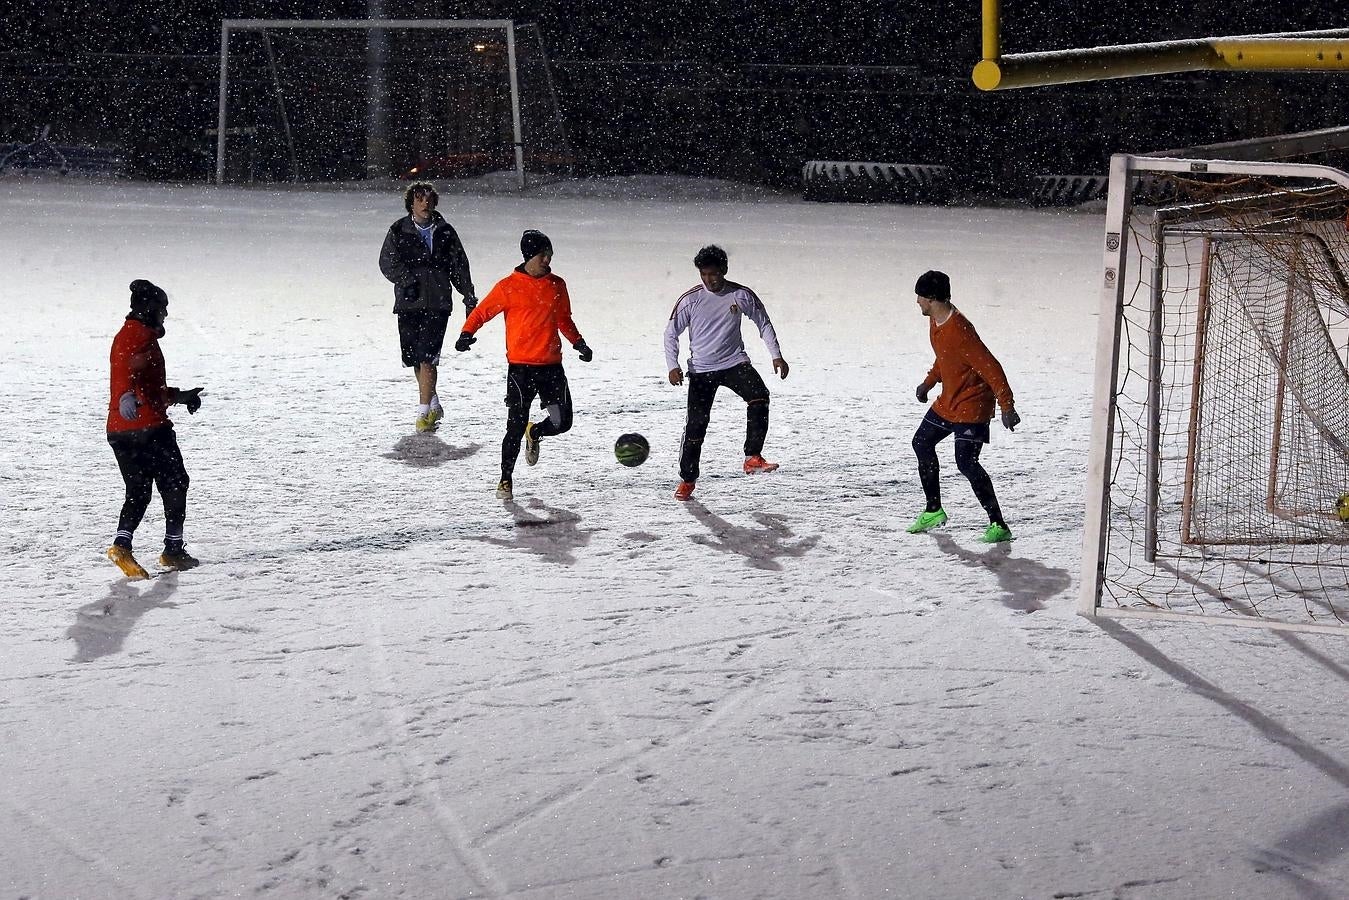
(971, 378)
(536, 310)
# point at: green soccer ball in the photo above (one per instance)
(1342, 508)
(631, 449)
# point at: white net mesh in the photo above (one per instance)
(1231, 425)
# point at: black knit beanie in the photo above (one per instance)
(532, 243)
(146, 296)
(933, 285)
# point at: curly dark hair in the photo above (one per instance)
(711, 257)
(421, 187)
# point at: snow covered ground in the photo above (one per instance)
(383, 682)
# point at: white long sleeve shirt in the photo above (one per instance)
(713, 323)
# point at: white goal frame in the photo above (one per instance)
(1124, 169)
(231, 25)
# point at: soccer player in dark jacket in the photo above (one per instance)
(141, 434)
(423, 257)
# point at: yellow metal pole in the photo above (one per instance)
(986, 70)
(1307, 51)
(992, 27)
(1264, 54)
(1021, 70)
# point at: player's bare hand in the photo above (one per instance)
(676, 376)
(780, 366)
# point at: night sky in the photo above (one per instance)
(758, 31)
(142, 76)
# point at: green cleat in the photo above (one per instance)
(927, 521)
(996, 533)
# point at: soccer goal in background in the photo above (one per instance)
(350, 99)
(1220, 440)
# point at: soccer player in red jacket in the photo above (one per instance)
(141, 434)
(537, 307)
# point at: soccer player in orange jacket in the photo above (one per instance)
(537, 308)
(972, 380)
(141, 434)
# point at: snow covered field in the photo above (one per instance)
(383, 682)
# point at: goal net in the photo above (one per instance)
(1221, 432)
(345, 100)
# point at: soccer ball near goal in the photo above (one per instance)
(1342, 508)
(631, 449)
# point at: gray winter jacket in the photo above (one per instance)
(422, 278)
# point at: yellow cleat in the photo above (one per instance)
(504, 491)
(126, 562)
(178, 560)
(531, 445)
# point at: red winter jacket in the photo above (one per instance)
(137, 368)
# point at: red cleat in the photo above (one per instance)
(684, 491)
(756, 464)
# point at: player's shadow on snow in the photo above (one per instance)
(761, 547)
(1246, 609)
(551, 532)
(1026, 584)
(424, 450)
(1273, 731)
(101, 627)
(1300, 855)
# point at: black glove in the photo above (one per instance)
(921, 393)
(465, 341)
(409, 292)
(191, 399)
(583, 348)
(1010, 419)
(469, 303)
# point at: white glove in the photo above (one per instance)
(129, 407)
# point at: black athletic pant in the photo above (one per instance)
(523, 384)
(970, 440)
(148, 458)
(745, 381)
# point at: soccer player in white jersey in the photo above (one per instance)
(711, 314)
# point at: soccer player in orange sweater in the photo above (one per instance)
(972, 382)
(537, 308)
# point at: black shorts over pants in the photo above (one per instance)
(421, 333)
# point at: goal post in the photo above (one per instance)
(340, 99)
(1220, 419)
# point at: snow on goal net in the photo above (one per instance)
(1224, 353)
(346, 100)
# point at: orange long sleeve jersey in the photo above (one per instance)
(971, 377)
(536, 310)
